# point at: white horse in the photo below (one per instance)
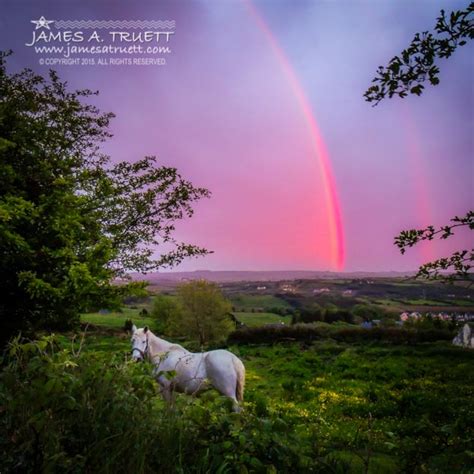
(188, 372)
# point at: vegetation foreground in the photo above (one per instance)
(83, 406)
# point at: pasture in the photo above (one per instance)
(114, 319)
(247, 302)
(322, 407)
(259, 319)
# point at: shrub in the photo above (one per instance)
(63, 412)
(332, 316)
(311, 313)
(366, 312)
(204, 313)
(165, 309)
(67, 412)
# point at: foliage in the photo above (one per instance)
(427, 321)
(406, 73)
(71, 412)
(309, 313)
(459, 262)
(313, 312)
(332, 315)
(349, 333)
(62, 411)
(70, 220)
(329, 407)
(204, 315)
(365, 312)
(165, 312)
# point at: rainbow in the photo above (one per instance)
(336, 230)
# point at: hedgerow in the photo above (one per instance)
(312, 332)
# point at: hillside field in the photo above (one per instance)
(323, 405)
(355, 408)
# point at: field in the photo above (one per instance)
(115, 319)
(244, 302)
(345, 407)
(259, 319)
(321, 405)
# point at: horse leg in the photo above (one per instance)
(226, 384)
(166, 389)
(227, 388)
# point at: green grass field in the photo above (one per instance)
(260, 319)
(394, 401)
(352, 407)
(116, 319)
(246, 302)
(373, 408)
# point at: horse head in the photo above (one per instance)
(139, 343)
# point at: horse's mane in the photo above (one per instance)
(173, 346)
(177, 347)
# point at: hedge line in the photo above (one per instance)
(309, 332)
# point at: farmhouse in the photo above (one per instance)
(319, 291)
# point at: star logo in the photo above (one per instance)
(42, 23)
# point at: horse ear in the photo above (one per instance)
(134, 328)
(145, 329)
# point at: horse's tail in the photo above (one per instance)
(240, 371)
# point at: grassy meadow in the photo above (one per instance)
(243, 302)
(326, 405)
(116, 319)
(350, 407)
(259, 319)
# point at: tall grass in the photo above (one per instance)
(82, 412)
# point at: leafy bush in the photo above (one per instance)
(366, 312)
(203, 314)
(62, 411)
(429, 322)
(68, 412)
(165, 309)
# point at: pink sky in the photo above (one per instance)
(232, 110)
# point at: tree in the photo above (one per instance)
(459, 262)
(71, 221)
(365, 312)
(406, 74)
(165, 310)
(204, 315)
(311, 313)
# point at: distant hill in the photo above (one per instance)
(234, 276)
